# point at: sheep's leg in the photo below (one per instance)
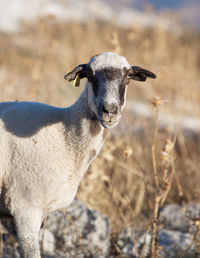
(27, 228)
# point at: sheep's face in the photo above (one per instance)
(107, 85)
(108, 75)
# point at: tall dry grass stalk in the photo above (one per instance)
(162, 183)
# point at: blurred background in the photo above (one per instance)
(42, 40)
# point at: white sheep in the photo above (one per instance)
(45, 150)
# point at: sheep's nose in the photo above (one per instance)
(110, 109)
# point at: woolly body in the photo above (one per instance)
(46, 150)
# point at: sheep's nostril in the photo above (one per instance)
(104, 110)
(110, 109)
(115, 109)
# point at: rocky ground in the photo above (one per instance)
(83, 232)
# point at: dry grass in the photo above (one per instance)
(135, 167)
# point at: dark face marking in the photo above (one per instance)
(110, 73)
(95, 85)
(109, 86)
(106, 74)
(95, 127)
(122, 87)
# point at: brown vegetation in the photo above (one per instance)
(135, 171)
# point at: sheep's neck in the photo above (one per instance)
(88, 135)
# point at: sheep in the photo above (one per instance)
(46, 150)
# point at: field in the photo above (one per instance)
(145, 164)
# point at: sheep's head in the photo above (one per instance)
(108, 75)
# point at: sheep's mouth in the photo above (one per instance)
(108, 123)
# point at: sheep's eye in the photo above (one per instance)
(129, 75)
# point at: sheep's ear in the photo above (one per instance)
(139, 74)
(79, 72)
